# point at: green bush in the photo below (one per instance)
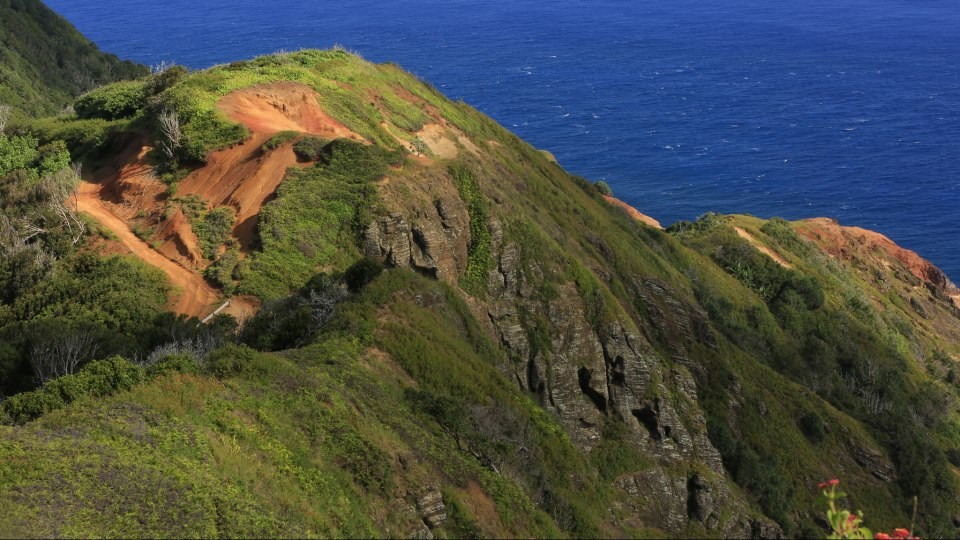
(280, 139)
(603, 188)
(222, 272)
(230, 360)
(310, 148)
(362, 272)
(112, 102)
(175, 363)
(812, 426)
(96, 379)
(214, 229)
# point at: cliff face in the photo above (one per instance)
(531, 347)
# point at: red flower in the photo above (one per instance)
(822, 485)
(834, 482)
(851, 518)
(901, 533)
(881, 536)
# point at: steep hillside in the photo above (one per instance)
(535, 360)
(45, 62)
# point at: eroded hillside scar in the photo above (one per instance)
(243, 177)
(192, 295)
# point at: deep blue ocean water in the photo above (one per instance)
(841, 108)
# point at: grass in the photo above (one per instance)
(303, 443)
(315, 222)
(404, 369)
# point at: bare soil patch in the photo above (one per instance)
(194, 295)
(633, 212)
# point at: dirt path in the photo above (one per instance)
(194, 295)
(762, 248)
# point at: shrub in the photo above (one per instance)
(214, 229)
(603, 188)
(174, 363)
(310, 148)
(230, 360)
(112, 102)
(96, 379)
(812, 427)
(222, 271)
(362, 272)
(280, 139)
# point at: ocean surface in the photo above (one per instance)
(842, 108)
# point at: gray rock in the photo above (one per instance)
(432, 510)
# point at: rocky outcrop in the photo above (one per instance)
(432, 510)
(434, 244)
(582, 371)
(874, 461)
(675, 502)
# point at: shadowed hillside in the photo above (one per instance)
(45, 62)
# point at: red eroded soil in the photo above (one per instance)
(282, 106)
(245, 176)
(841, 242)
(194, 295)
(633, 212)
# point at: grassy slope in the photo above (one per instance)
(540, 207)
(46, 62)
(322, 441)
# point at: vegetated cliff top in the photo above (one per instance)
(46, 62)
(534, 361)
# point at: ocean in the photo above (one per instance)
(848, 109)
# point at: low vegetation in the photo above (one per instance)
(356, 388)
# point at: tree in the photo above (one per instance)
(172, 134)
(64, 201)
(62, 353)
(603, 188)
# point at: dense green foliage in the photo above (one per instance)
(316, 220)
(481, 259)
(113, 102)
(53, 295)
(46, 62)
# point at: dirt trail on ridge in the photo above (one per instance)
(762, 248)
(194, 297)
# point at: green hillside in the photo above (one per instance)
(45, 62)
(455, 337)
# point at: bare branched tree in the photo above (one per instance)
(62, 354)
(322, 301)
(157, 69)
(172, 134)
(197, 348)
(5, 111)
(63, 190)
(16, 233)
